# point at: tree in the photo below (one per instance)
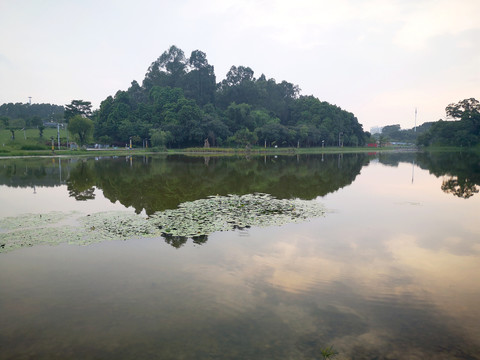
(236, 76)
(239, 117)
(80, 127)
(180, 96)
(468, 111)
(274, 134)
(3, 121)
(245, 137)
(77, 107)
(167, 70)
(14, 125)
(200, 83)
(465, 132)
(390, 130)
(160, 138)
(41, 128)
(464, 110)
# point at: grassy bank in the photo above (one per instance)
(29, 143)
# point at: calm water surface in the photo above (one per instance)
(392, 271)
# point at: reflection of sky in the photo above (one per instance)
(17, 201)
(391, 272)
(403, 249)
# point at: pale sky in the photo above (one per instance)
(377, 59)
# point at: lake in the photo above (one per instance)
(376, 255)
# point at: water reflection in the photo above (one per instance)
(153, 183)
(158, 183)
(392, 273)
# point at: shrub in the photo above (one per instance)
(34, 147)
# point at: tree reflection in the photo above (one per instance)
(461, 168)
(175, 241)
(165, 182)
(81, 182)
(461, 187)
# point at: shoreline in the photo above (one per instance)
(200, 151)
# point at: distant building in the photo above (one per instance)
(376, 130)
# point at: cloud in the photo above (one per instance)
(5, 61)
(431, 19)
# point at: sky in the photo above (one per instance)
(379, 59)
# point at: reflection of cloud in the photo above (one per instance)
(400, 298)
(441, 273)
(293, 272)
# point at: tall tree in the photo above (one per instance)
(464, 110)
(167, 70)
(78, 107)
(199, 82)
(81, 127)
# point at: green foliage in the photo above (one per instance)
(34, 147)
(465, 132)
(78, 107)
(172, 180)
(14, 125)
(390, 130)
(244, 137)
(81, 128)
(160, 138)
(32, 114)
(179, 95)
(328, 353)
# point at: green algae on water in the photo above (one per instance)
(194, 219)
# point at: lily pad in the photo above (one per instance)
(196, 220)
(224, 213)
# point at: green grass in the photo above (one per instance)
(30, 139)
(278, 151)
(29, 143)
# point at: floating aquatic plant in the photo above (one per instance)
(328, 352)
(223, 213)
(196, 220)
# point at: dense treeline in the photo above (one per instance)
(30, 115)
(46, 112)
(18, 116)
(463, 132)
(393, 133)
(180, 104)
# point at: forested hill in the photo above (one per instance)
(180, 104)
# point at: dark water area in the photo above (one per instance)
(390, 271)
